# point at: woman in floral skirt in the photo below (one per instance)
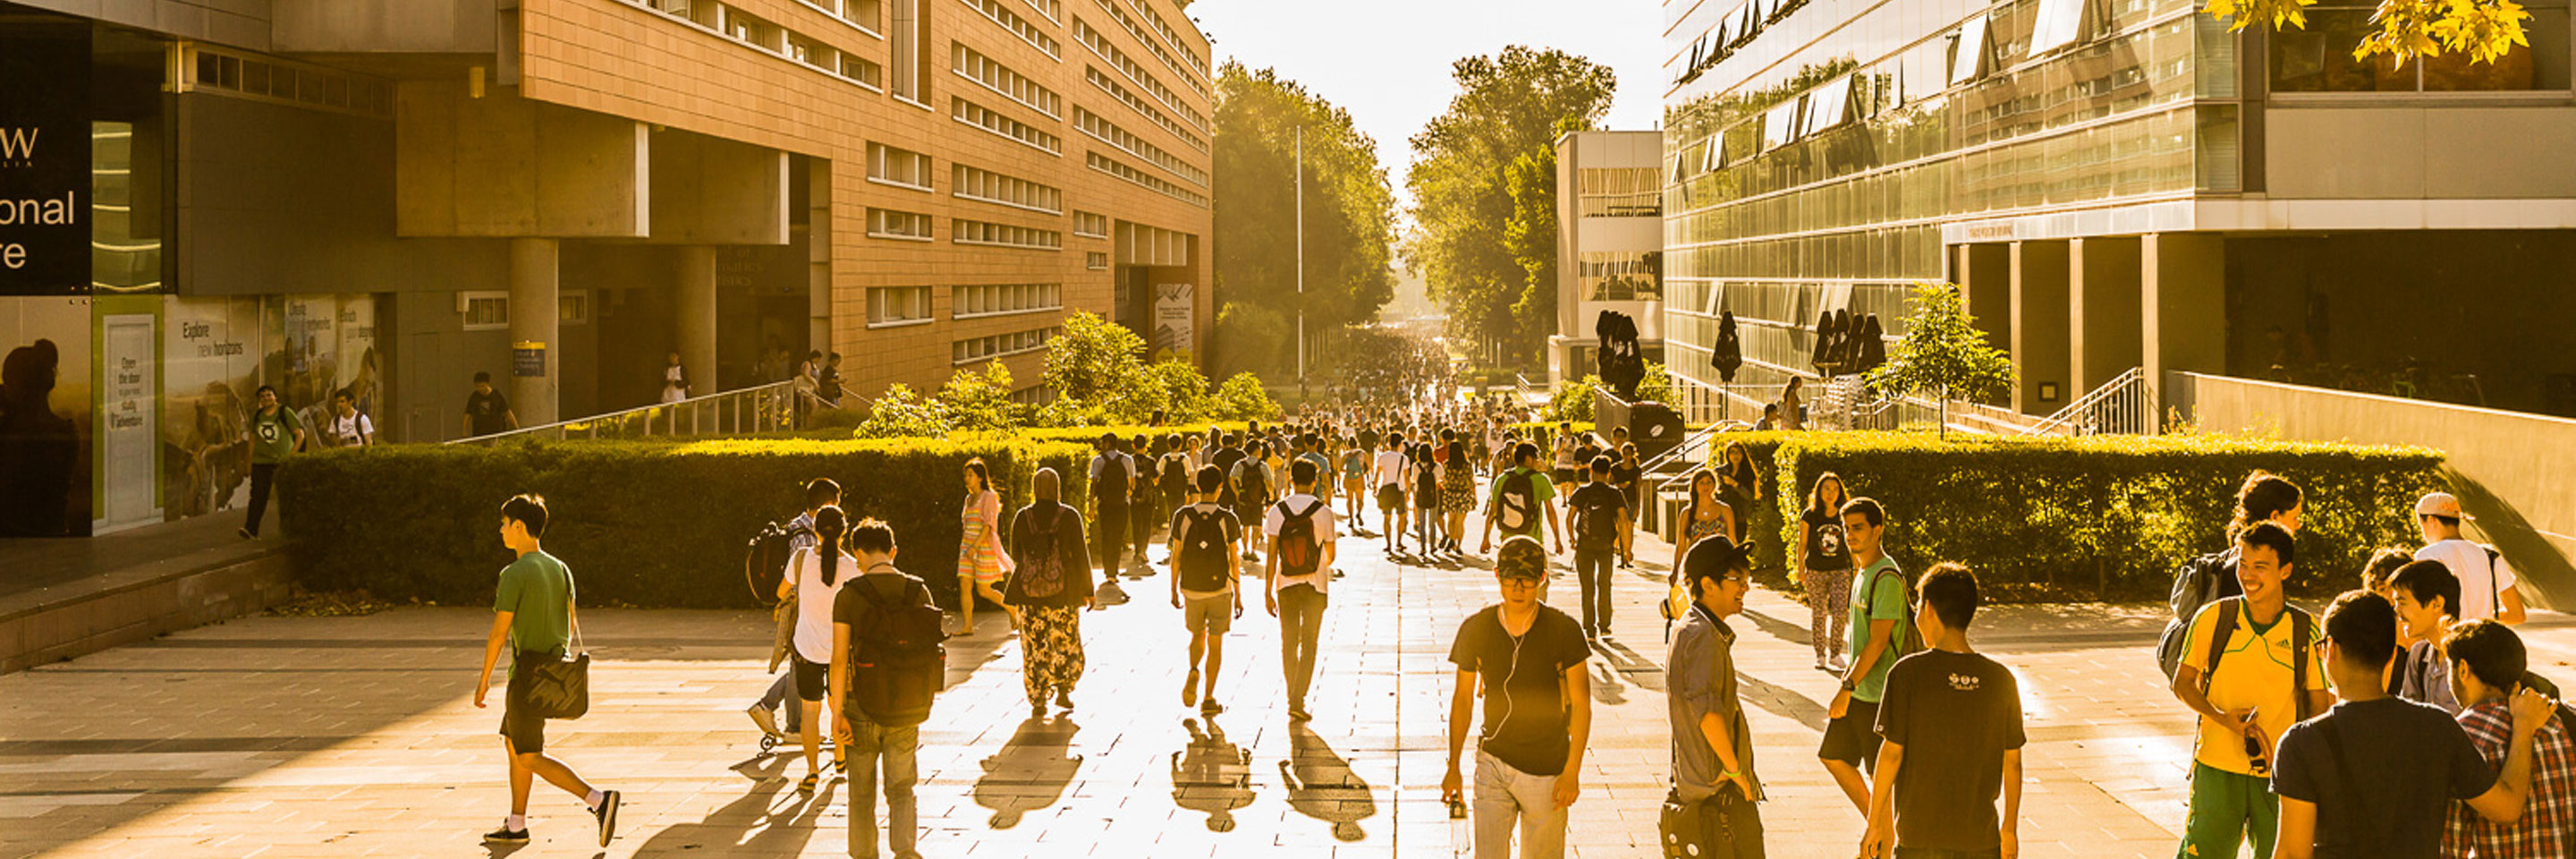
(981, 562)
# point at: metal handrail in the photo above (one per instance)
(1521, 385)
(2126, 394)
(760, 408)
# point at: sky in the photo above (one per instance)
(1387, 61)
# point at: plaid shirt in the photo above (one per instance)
(2548, 826)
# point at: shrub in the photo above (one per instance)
(655, 524)
(1242, 398)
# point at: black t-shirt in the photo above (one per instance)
(1622, 473)
(1368, 440)
(1825, 548)
(490, 412)
(1524, 684)
(1596, 516)
(1955, 714)
(1224, 460)
(2402, 764)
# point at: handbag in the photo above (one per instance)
(1700, 830)
(560, 688)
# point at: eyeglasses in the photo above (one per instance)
(1519, 582)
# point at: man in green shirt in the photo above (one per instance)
(275, 432)
(1519, 497)
(1880, 633)
(532, 614)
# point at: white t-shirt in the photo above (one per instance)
(1389, 468)
(1273, 518)
(814, 603)
(2468, 563)
(352, 430)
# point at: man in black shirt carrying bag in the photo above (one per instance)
(1528, 660)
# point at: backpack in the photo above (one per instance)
(2195, 584)
(764, 565)
(1175, 473)
(1426, 478)
(898, 662)
(2302, 627)
(1146, 487)
(1519, 502)
(1903, 640)
(1113, 473)
(1041, 573)
(1204, 558)
(1596, 524)
(1297, 547)
(1251, 481)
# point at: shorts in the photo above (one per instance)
(1853, 739)
(1390, 497)
(1213, 615)
(812, 678)
(1562, 476)
(519, 722)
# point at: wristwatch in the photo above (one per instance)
(1847, 685)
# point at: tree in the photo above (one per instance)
(1350, 220)
(1093, 360)
(981, 401)
(1476, 240)
(2486, 30)
(1242, 398)
(1943, 353)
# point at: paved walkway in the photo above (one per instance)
(287, 737)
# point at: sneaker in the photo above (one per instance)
(767, 721)
(1190, 689)
(506, 835)
(607, 812)
(247, 535)
(1210, 707)
(1064, 698)
(1297, 713)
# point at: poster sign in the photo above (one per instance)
(528, 359)
(1175, 320)
(44, 159)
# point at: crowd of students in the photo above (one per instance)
(2402, 723)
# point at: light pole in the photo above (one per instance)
(1301, 264)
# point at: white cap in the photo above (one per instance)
(2438, 504)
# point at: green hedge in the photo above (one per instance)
(2111, 515)
(654, 524)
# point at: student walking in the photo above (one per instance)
(1051, 586)
(1825, 569)
(1253, 482)
(2377, 775)
(2250, 671)
(2424, 596)
(886, 665)
(1457, 493)
(981, 560)
(275, 433)
(2488, 587)
(1520, 506)
(1390, 473)
(2489, 661)
(486, 410)
(1740, 486)
(821, 492)
(348, 427)
(1142, 516)
(1355, 472)
(532, 617)
(1712, 741)
(1206, 567)
(1952, 728)
(814, 579)
(1426, 500)
(1600, 514)
(1881, 633)
(1296, 575)
(1110, 472)
(1526, 661)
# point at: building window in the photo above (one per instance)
(1972, 53)
(891, 224)
(898, 305)
(1189, 74)
(1018, 26)
(1052, 9)
(966, 232)
(2319, 57)
(975, 349)
(975, 183)
(1102, 130)
(902, 167)
(1091, 224)
(1104, 49)
(988, 119)
(1618, 192)
(572, 307)
(1101, 81)
(903, 35)
(268, 80)
(1001, 299)
(1149, 182)
(974, 66)
(484, 311)
(1096, 261)
(1620, 276)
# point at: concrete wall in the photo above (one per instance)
(2396, 152)
(2517, 472)
(239, 23)
(404, 26)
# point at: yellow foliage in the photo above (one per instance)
(2486, 30)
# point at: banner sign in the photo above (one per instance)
(1175, 320)
(44, 159)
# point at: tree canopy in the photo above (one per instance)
(2486, 30)
(1483, 182)
(1943, 353)
(1350, 220)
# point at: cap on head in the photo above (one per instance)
(2438, 504)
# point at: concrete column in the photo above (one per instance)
(2039, 330)
(2102, 306)
(534, 302)
(2182, 302)
(695, 317)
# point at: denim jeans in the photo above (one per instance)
(1505, 799)
(782, 696)
(1301, 619)
(895, 749)
(1592, 568)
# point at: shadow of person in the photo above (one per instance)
(1606, 685)
(1213, 775)
(37, 447)
(1777, 628)
(1030, 772)
(1321, 785)
(757, 822)
(1625, 663)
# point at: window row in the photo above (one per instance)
(1102, 48)
(974, 66)
(754, 31)
(1102, 81)
(257, 78)
(966, 232)
(1052, 9)
(2319, 57)
(895, 305)
(1620, 275)
(975, 183)
(1148, 181)
(897, 166)
(989, 299)
(1018, 26)
(1618, 192)
(994, 121)
(1170, 38)
(869, 15)
(1096, 261)
(999, 345)
(892, 224)
(1189, 77)
(1104, 131)
(1092, 224)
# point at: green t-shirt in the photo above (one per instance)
(1541, 489)
(537, 591)
(1887, 604)
(272, 436)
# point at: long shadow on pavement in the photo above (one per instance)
(1322, 785)
(1213, 776)
(1030, 772)
(754, 823)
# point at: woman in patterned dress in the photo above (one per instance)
(1457, 490)
(1051, 653)
(981, 563)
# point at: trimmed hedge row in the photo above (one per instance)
(2113, 515)
(654, 524)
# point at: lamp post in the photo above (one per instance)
(1301, 264)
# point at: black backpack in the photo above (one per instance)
(1111, 486)
(1040, 568)
(2196, 583)
(1250, 486)
(765, 563)
(1176, 473)
(1204, 558)
(1146, 489)
(1299, 552)
(2301, 629)
(1517, 509)
(899, 660)
(1596, 521)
